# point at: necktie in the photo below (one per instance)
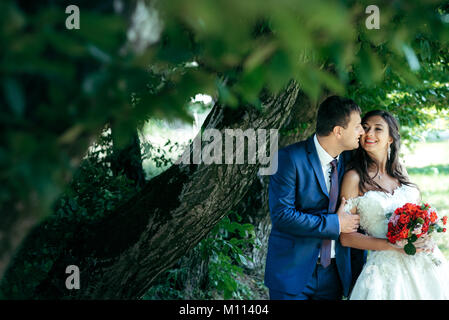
(333, 198)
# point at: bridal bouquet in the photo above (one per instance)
(411, 222)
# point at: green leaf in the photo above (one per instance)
(243, 259)
(425, 50)
(260, 55)
(410, 249)
(411, 57)
(14, 96)
(226, 96)
(279, 69)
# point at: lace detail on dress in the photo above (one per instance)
(374, 205)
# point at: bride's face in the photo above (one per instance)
(376, 137)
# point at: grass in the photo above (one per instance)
(428, 167)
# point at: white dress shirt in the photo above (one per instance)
(326, 159)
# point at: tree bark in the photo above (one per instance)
(120, 257)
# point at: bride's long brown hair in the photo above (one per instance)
(361, 161)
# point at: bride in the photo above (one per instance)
(375, 185)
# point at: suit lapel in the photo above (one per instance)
(316, 164)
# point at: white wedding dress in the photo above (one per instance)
(392, 275)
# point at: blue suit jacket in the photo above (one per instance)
(298, 201)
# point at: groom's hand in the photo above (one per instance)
(348, 222)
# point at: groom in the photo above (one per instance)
(305, 260)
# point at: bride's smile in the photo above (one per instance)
(376, 136)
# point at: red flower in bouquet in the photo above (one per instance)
(404, 219)
(411, 222)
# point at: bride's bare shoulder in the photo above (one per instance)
(350, 184)
(351, 177)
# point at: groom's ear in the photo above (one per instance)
(337, 131)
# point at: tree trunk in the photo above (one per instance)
(120, 257)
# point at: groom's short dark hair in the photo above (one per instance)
(334, 111)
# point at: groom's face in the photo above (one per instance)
(351, 135)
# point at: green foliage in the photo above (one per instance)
(60, 87)
(222, 249)
(300, 127)
(93, 193)
(433, 170)
(169, 285)
(416, 107)
(156, 158)
(95, 187)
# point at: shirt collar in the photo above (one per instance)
(325, 158)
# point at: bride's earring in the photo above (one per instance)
(389, 152)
